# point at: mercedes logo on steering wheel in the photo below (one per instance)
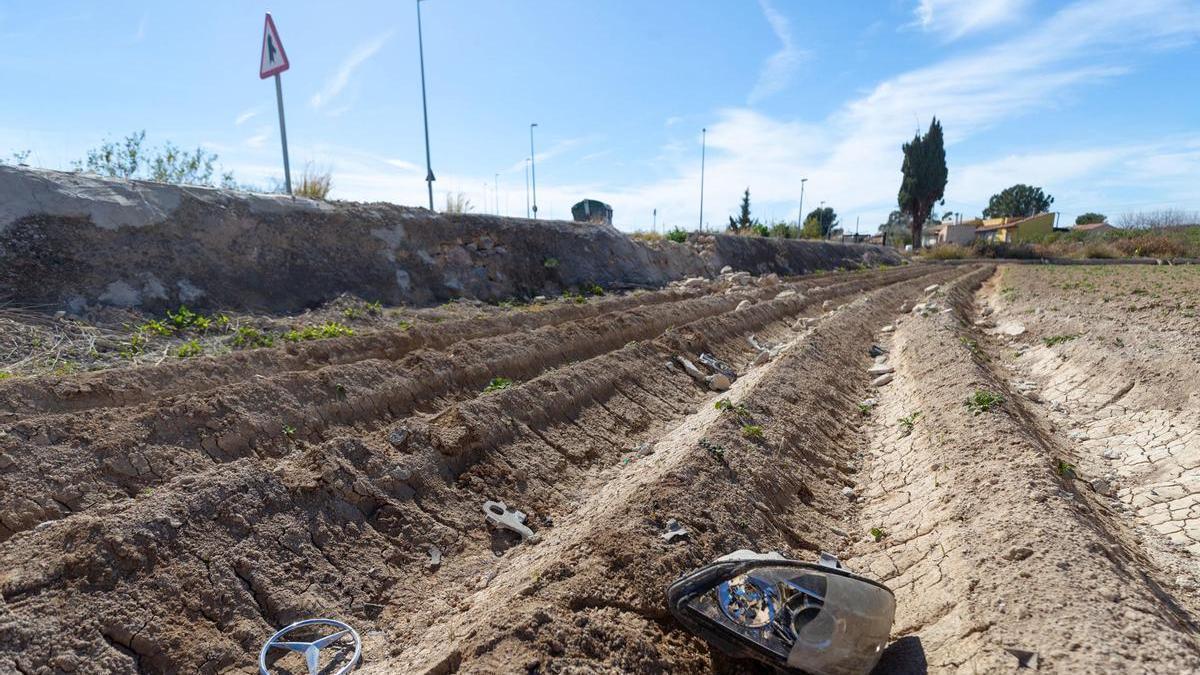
(312, 650)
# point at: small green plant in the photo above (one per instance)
(572, 296)
(877, 533)
(677, 235)
(498, 384)
(723, 404)
(340, 389)
(550, 263)
(156, 327)
(352, 313)
(1058, 339)
(404, 324)
(221, 321)
(864, 408)
(714, 449)
(907, 423)
(982, 401)
(289, 431)
(594, 288)
(4, 375)
(136, 346)
(249, 337)
(186, 318)
(189, 349)
(375, 308)
(752, 431)
(329, 329)
(1066, 469)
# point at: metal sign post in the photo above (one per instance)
(275, 61)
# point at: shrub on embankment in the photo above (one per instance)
(1143, 242)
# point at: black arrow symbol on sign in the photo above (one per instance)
(270, 50)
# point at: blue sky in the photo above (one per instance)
(1094, 100)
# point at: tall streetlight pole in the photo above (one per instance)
(425, 108)
(526, 187)
(533, 168)
(800, 217)
(703, 145)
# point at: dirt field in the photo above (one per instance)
(1028, 484)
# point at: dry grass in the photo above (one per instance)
(647, 236)
(314, 183)
(457, 203)
(947, 252)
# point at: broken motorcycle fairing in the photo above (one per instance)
(815, 617)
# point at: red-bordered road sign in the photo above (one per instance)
(274, 59)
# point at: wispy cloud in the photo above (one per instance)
(141, 28)
(953, 19)
(260, 137)
(246, 115)
(334, 85)
(778, 70)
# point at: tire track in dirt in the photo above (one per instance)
(69, 463)
(992, 554)
(222, 554)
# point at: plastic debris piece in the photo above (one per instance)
(500, 515)
(674, 531)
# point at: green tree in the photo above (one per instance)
(743, 222)
(1018, 201)
(820, 223)
(925, 176)
(1090, 218)
(782, 230)
(169, 164)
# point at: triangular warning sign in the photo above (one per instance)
(274, 59)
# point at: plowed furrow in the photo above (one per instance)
(224, 552)
(89, 453)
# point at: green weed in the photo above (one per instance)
(156, 327)
(1058, 339)
(752, 431)
(550, 263)
(877, 533)
(498, 384)
(1066, 469)
(4, 375)
(329, 329)
(717, 451)
(907, 423)
(136, 346)
(982, 401)
(289, 431)
(189, 349)
(677, 235)
(251, 337)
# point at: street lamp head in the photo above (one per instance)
(533, 125)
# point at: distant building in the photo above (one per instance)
(961, 234)
(1093, 227)
(592, 211)
(1010, 230)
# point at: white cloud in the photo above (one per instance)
(778, 70)
(141, 29)
(260, 137)
(246, 116)
(335, 85)
(955, 18)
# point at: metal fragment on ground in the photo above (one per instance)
(674, 531)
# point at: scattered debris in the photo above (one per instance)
(717, 366)
(876, 350)
(785, 294)
(880, 369)
(718, 382)
(887, 329)
(727, 270)
(1012, 328)
(882, 380)
(1025, 659)
(743, 305)
(399, 437)
(500, 515)
(674, 531)
(848, 493)
(931, 288)
(1103, 486)
(435, 557)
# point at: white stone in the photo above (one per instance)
(785, 294)
(881, 380)
(719, 382)
(881, 369)
(1012, 328)
(931, 288)
(888, 328)
(743, 305)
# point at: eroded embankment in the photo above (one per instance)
(188, 546)
(998, 558)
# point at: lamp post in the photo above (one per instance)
(533, 168)
(703, 145)
(425, 108)
(800, 217)
(526, 187)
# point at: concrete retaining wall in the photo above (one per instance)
(75, 241)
